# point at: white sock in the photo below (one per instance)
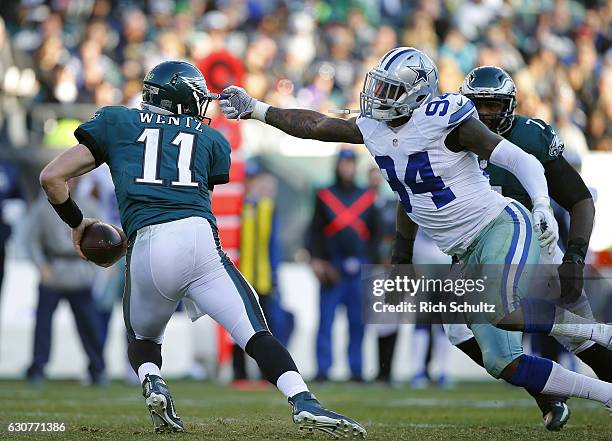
(571, 325)
(147, 368)
(563, 382)
(291, 383)
(420, 343)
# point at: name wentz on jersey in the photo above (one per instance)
(163, 166)
(444, 192)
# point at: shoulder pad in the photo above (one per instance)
(442, 114)
(538, 138)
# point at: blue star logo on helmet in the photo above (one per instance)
(421, 71)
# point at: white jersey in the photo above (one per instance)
(444, 192)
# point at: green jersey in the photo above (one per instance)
(535, 137)
(163, 166)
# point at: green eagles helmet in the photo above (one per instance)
(176, 87)
(491, 87)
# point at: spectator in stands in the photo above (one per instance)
(103, 44)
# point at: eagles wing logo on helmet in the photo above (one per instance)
(176, 87)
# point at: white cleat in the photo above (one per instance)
(308, 414)
(159, 414)
(337, 428)
(160, 405)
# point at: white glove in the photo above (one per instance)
(545, 223)
(240, 105)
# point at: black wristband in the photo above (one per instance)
(402, 250)
(576, 251)
(69, 212)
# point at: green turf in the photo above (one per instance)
(483, 412)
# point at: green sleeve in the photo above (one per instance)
(93, 134)
(220, 162)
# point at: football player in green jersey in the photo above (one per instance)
(165, 160)
(494, 94)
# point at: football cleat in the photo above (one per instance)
(160, 404)
(308, 414)
(557, 416)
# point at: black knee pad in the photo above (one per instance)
(271, 356)
(144, 351)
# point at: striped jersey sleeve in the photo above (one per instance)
(442, 114)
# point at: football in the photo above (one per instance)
(103, 244)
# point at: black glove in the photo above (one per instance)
(571, 271)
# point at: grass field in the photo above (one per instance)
(484, 412)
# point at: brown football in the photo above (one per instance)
(103, 244)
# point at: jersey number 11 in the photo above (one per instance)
(152, 139)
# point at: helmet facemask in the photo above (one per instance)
(493, 93)
(404, 80)
(496, 111)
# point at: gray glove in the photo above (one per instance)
(239, 105)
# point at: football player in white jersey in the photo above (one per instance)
(427, 147)
(494, 94)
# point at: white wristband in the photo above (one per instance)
(259, 112)
(541, 200)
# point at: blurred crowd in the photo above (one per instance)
(312, 53)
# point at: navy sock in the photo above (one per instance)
(532, 373)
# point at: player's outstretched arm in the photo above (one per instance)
(54, 181)
(474, 136)
(301, 123)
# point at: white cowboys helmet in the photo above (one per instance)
(403, 80)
